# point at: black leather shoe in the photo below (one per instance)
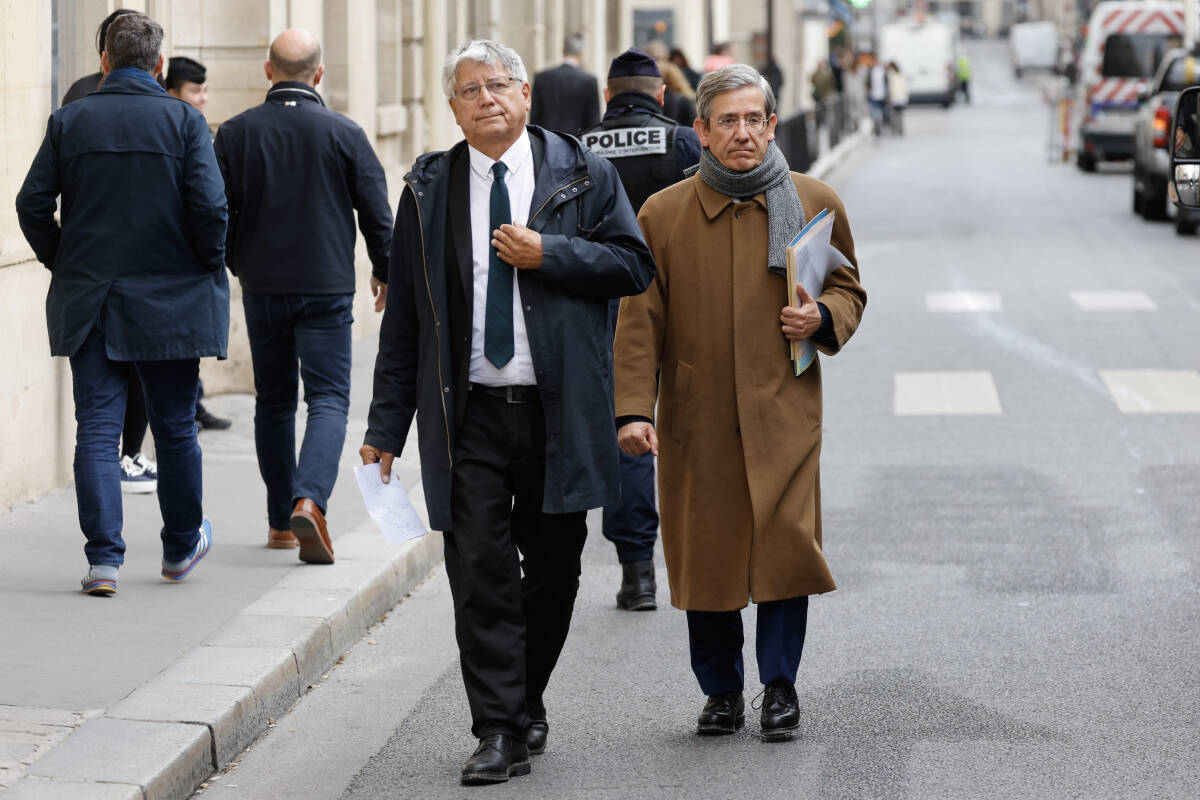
(637, 587)
(723, 713)
(535, 736)
(780, 711)
(498, 758)
(210, 422)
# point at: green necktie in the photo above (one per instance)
(497, 320)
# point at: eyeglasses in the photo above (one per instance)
(754, 123)
(497, 86)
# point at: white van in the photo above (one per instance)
(1033, 45)
(924, 51)
(1126, 40)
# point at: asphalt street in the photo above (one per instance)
(1010, 470)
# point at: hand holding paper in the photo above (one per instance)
(388, 505)
(810, 259)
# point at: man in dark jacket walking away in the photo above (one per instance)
(507, 250)
(565, 98)
(650, 153)
(137, 282)
(295, 173)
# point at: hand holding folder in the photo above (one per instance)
(810, 259)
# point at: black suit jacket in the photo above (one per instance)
(565, 99)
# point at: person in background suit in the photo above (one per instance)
(187, 79)
(679, 99)
(90, 83)
(296, 175)
(506, 253)
(565, 98)
(137, 283)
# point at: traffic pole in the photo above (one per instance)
(1191, 23)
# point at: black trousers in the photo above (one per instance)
(510, 627)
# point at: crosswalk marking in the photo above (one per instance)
(959, 302)
(1154, 391)
(944, 393)
(1113, 301)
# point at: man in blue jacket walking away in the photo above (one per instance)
(507, 250)
(137, 282)
(295, 174)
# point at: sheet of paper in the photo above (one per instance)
(388, 505)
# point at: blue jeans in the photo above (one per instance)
(631, 523)
(294, 336)
(715, 638)
(101, 388)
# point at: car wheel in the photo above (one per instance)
(1086, 162)
(1137, 201)
(1154, 201)
(1185, 227)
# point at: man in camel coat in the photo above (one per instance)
(738, 435)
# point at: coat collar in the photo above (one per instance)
(713, 202)
(126, 80)
(294, 90)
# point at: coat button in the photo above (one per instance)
(737, 214)
(529, 308)
(574, 189)
(446, 390)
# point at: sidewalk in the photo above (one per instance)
(144, 695)
(150, 690)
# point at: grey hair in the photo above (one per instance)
(133, 40)
(484, 51)
(728, 79)
(573, 44)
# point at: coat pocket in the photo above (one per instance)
(681, 401)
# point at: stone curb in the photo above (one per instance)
(169, 735)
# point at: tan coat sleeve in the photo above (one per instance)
(641, 327)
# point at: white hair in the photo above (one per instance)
(483, 51)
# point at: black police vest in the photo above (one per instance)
(642, 148)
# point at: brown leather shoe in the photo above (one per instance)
(308, 524)
(280, 540)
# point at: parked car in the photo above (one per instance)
(1152, 135)
(1125, 42)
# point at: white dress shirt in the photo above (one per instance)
(519, 180)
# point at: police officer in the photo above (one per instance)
(651, 152)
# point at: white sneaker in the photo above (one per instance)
(150, 467)
(135, 479)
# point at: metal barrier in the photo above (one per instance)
(805, 136)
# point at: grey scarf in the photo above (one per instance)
(785, 214)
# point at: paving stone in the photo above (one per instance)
(168, 760)
(270, 671)
(44, 789)
(341, 576)
(10, 715)
(233, 714)
(366, 545)
(307, 637)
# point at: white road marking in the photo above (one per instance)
(1154, 391)
(944, 393)
(1113, 301)
(959, 302)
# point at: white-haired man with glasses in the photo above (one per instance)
(506, 251)
(738, 434)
